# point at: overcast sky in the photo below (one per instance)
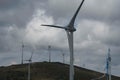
(97, 24)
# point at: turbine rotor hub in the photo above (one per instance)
(70, 29)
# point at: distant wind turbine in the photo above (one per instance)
(108, 66)
(29, 63)
(69, 30)
(22, 53)
(49, 49)
(63, 54)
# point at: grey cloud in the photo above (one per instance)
(20, 13)
(10, 38)
(7, 4)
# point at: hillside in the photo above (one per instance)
(47, 71)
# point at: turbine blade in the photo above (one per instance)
(74, 17)
(54, 26)
(31, 55)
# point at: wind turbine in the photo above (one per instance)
(69, 30)
(22, 53)
(49, 49)
(108, 66)
(29, 62)
(63, 54)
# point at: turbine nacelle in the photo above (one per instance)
(28, 60)
(70, 28)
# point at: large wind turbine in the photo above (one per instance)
(29, 60)
(69, 30)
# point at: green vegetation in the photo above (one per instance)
(47, 71)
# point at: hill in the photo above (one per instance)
(47, 71)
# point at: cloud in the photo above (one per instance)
(7, 4)
(35, 29)
(18, 12)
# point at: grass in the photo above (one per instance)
(47, 71)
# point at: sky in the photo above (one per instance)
(97, 27)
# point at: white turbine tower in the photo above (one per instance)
(108, 66)
(69, 30)
(29, 63)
